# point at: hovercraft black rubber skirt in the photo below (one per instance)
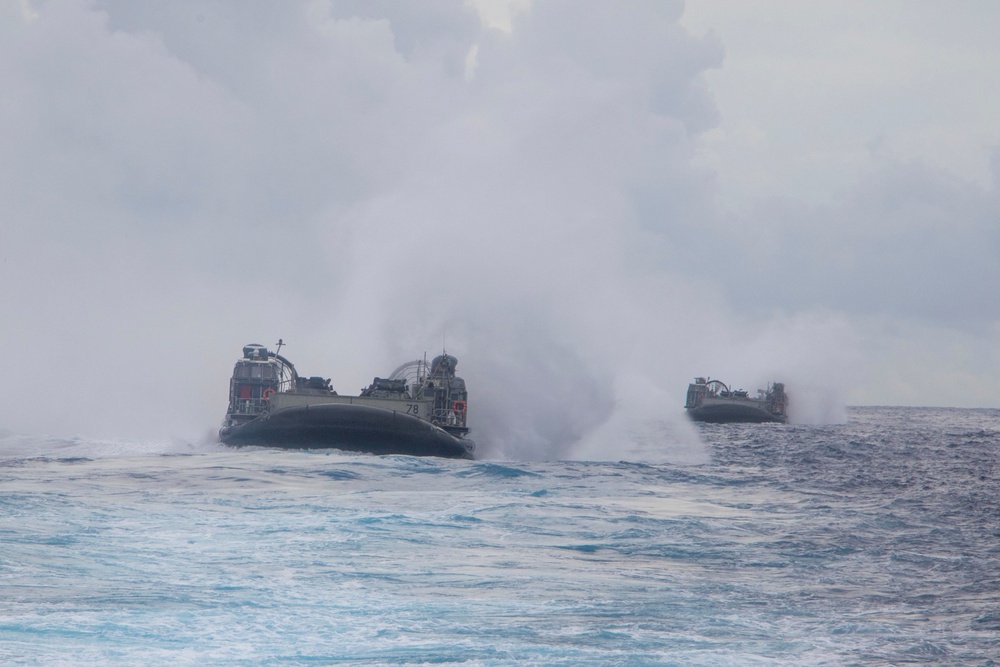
(349, 427)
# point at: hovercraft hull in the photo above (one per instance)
(728, 412)
(356, 428)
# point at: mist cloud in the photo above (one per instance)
(181, 179)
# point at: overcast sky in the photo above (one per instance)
(588, 203)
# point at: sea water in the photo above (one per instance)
(872, 542)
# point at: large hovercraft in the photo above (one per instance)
(419, 410)
(714, 401)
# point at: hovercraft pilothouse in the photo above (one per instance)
(256, 378)
(438, 384)
(415, 411)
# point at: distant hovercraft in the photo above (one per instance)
(713, 401)
(419, 410)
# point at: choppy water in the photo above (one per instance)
(874, 542)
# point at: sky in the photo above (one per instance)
(588, 203)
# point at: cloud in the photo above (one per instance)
(181, 179)
(910, 241)
(805, 89)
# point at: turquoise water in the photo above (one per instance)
(872, 542)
